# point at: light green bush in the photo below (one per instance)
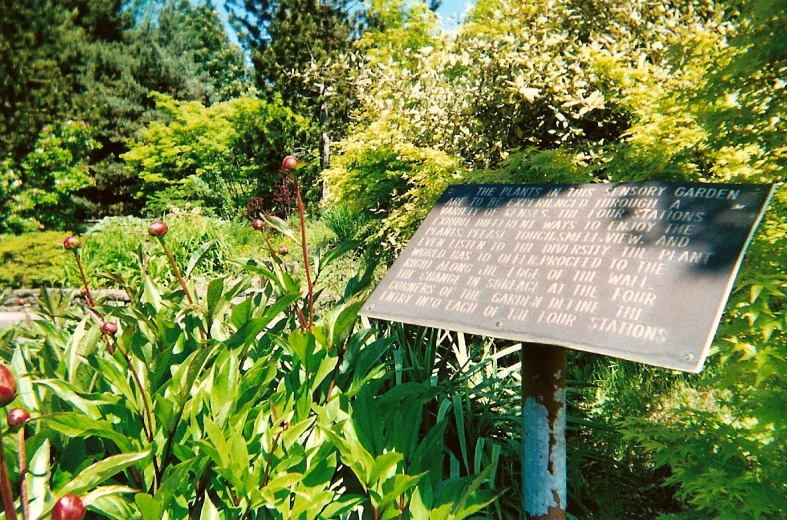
(379, 171)
(218, 157)
(31, 259)
(345, 223)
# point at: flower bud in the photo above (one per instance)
(72, 243)
(158, 229)
(18, 416)
(109, 327)
(69, 507)
(7, 386)
(289, 163)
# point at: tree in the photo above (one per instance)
(295, 46)
(184, 52)
(38, 55)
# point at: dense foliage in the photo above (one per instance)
(216, 157)
(149, 110)
(225, 408)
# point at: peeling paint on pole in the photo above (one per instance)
(544, 432)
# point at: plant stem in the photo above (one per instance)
(177, 271)
(5, 484)
(266, 477)
(145, 256)
(170, 439)
(89, 296)
(149, 428)
(23, 474)
(305, 252)
(196, 507)
(278, 262)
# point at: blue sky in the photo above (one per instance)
(452, 9)
(450, 12)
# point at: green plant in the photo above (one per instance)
(227, 154)
(31, 259)
(345, 223)
(53, 171)
(240, 405)
(381, 172)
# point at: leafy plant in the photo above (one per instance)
(225, 154)
(31, 259)
(238, 405)
(345, 223)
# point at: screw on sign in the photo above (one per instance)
(638, 271)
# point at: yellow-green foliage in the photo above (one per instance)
(565, 91)
(217, 157)
(32, 259)
(381, 172)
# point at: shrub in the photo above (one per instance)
(379, 171)
(216, 157)
(54, 171)
(345, 223)
(31, 259)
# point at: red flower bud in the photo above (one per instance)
(158, 228)
(7, 386)
(69, 507)
(18, 416)
(109, 327)
(283, 249)
(72, 243)
(258, 224)
(289, 163)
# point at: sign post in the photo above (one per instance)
(544, 432)
(638, 271)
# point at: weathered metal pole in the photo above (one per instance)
(544, 432)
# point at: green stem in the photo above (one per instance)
(340, 358)
(149, 428)
(22, 475)
(266, 477)
(89, 296)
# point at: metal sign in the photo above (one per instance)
(639, 271)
